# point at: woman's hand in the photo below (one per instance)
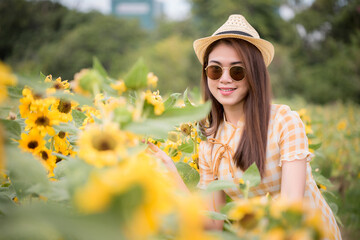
(156, 151)
(169, 164)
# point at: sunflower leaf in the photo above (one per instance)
(186, 98)
(136, 78)
(99, 67)
(187, 147)
(190, 176)
(216, 215)
(252, 175)
(78, 117)
(220, 185)
(170, 102)
(158, 127)
(27, 175)
(12, 128)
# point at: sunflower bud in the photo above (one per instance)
(91, 79)
(173, 136)
(185, 129)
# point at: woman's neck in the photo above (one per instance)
(233, 115)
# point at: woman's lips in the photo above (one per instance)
(226, 91)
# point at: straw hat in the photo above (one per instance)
(236, 27)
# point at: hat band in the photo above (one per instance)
(234, 32)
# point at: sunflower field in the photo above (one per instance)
(74, 164)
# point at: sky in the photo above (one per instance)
(174, 9)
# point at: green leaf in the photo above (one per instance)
(227, 207)
(43, 76)
(99, 67)
(186, 98)
(136, 78)
(216, 215)
(218, 185)
(91, 81)
(12, 128)
(187, 147)
(15, 92)
(78, 117)
(67, 127)
(170, 102)
(5, 203)
(310, 136)
(315, 146)
(60, 170)
(189, 175)
(122, 115)
(320, 179)
(126, 203)
(82, 100)
(252, 175)
(26, 173)
(159, 127)
(61, 156)
(75, 171)
(39, 86)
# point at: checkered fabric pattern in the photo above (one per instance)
(287, 141)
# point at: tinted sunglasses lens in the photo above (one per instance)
(214, 72)
(237, 73)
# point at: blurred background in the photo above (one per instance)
(316, 64)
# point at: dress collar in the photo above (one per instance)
(238, 124)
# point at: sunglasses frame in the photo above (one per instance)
(222, 71)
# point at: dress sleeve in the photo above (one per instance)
(293, 141)
(206, 173)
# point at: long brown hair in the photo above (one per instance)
(252, 146)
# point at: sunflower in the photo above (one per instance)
(24, 106)
(63, 108)
(6, 79)
(31, 142)
(141, 171)
(47, 159)
(102, 145)
(119, 86)
(248, 212)
(57, 85)
(152, 80)
(61, 144)
(90, 113)
(32, 102)
(42, 121)
(155, 99)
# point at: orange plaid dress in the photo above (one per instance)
(287, 141)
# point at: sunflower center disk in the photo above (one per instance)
(33, 144)
(42, 121)
(104, 143)
(64, 106)
(44, 155)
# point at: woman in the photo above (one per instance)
(244, 127)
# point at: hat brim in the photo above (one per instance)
(265, 47)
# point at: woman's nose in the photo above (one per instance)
(225, 77)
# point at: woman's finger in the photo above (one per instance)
(153, 147)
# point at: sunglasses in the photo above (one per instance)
(214, 72)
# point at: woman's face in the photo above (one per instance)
(228, 92)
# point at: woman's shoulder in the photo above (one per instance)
(281, 111)
(283, 115)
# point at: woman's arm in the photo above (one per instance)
(216, 201)
(293, 178)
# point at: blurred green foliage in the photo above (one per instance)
(317, 51)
